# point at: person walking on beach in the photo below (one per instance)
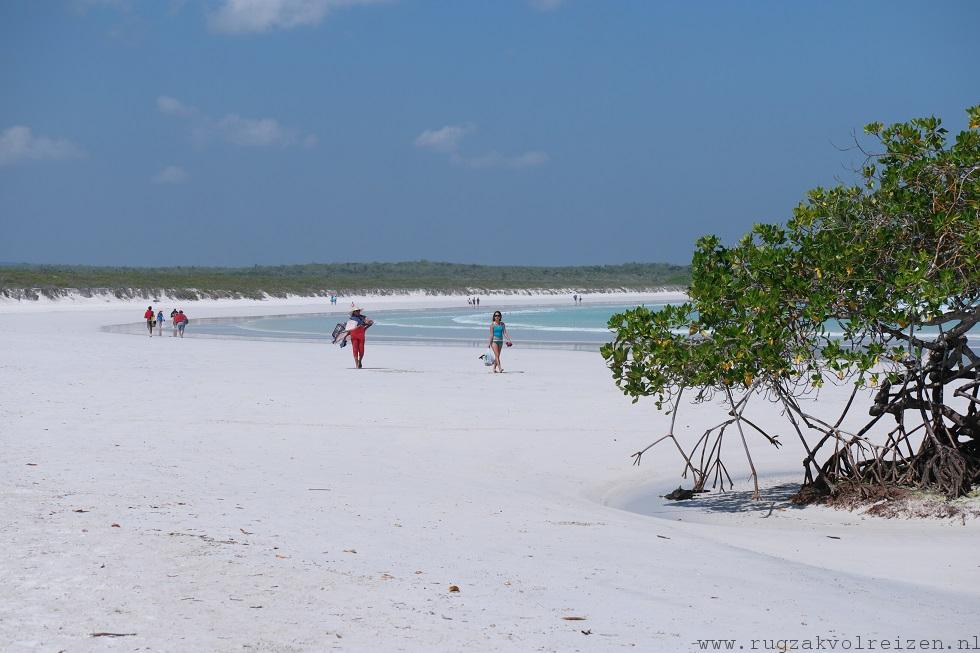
(181, 321)
(148, 316)
(173, 322)
(357, 334)
(160, 322)
(498, 336)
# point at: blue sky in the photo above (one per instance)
(543, 132)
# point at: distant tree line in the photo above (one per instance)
(317, 279)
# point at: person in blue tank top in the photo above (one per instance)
(498, 336)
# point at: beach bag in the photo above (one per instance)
(488, 358)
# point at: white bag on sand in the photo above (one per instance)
(488, 358)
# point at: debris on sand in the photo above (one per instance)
(680, 494)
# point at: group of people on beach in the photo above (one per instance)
(473, 301)
(358, 324)
(155, 320)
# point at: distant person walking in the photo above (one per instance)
(357, 334)
(498, 336)
(160, 322)
(173, 322)
(148, 316)
(181, 320)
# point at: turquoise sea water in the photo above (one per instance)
(572, 326)
(563, 326)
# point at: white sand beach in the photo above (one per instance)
(227, 495)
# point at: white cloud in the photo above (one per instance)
(170, 175)
(448, 140)
(546, 5)
(235, 129)
(249, 16)
(262, 132)
(19, 142)
(174, 107)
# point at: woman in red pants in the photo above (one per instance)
(357, 334)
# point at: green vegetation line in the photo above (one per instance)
(325, 278)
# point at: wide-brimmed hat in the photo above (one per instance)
(354, 308)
